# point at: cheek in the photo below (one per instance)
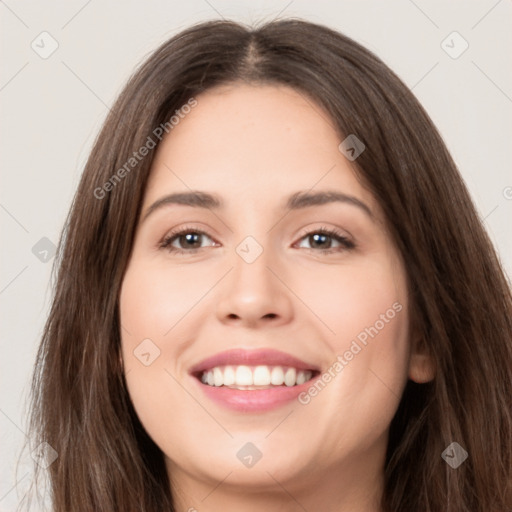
(354, 302)
(366, 311)
(154, 299)
(152, 302)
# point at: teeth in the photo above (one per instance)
(277, 376)
(218, 378)
(243, 376)
(301, 378)
(229, 376)
(247, 377)
(290, 376)
(261, 376)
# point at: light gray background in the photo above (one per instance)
(53, 108)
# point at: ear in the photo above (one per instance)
(422, 367)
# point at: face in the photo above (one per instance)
(281, 269)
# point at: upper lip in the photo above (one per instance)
(268, 357)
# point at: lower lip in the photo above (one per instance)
(253, 400)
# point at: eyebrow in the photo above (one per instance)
(297, 201)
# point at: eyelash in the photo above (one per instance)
(333, 233)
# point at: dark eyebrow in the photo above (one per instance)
(195, 198)
(306, 199)
(296, 201)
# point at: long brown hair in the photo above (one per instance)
(461, 305)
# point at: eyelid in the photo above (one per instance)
(342, 237)
(345, 240)
(325, 229)
(164, 243)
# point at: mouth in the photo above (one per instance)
(254, 377)
(253, 380)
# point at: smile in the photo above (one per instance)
(255, 377)
(255, 380)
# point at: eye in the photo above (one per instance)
(189, 240)
(185, 240)
(323, 239)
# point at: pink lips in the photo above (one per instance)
(256, 400)
(267, 357)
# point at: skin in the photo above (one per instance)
(254, 147)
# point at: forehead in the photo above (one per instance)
(257, 142)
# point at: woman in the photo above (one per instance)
(274, 290)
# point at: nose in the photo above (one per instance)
(255, 294)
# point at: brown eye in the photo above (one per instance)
(323, 240)
(185, 240)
